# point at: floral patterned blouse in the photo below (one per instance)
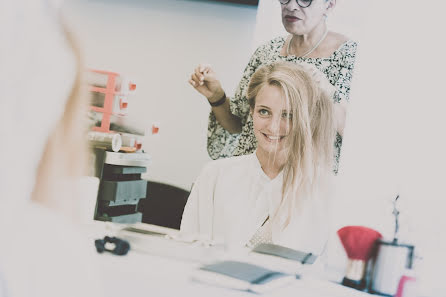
(338, 68)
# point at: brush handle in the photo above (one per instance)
(355, 284)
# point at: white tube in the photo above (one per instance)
(111, 141)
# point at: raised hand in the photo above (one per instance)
(204, 80)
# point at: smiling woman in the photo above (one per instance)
(274, 193)
(271, 119)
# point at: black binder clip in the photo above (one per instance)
(121, 247)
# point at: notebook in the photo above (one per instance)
(242, 276)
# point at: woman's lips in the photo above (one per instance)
(290, 18)
(271, 138)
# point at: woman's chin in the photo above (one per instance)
(271, 148)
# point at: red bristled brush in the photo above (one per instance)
(359, 243)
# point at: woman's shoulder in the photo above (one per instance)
(338, 39)
(224, 171)
(279, 40)
(272, 46)
(236, 164)
(349, 47)
(343, 45)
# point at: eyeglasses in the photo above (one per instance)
(301, 3)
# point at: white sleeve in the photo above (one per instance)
(198, 213)
(189, 221)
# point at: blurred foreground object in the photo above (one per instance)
(43, 251)
(111, 128)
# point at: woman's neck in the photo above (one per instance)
(272, 164)
(307, 41)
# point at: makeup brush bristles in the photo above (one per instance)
(358, 241)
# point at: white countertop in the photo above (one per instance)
(160, 267)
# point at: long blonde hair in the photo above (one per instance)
(312, 130)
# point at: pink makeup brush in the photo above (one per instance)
(359, 244)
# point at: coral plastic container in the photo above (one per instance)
(109, 96)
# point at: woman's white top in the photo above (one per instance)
(232, 197)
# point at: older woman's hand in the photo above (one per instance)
(204, 80)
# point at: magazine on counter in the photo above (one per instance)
(242, 276)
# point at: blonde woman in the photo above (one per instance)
(278, 193)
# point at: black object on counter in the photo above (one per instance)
(121, 247)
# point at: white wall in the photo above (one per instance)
(158, 43)
(395, 130)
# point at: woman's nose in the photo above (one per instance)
(292, 5)
(274, 125)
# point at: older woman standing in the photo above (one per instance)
(230, 130)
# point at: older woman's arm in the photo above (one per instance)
(204, 80)
(232, 114)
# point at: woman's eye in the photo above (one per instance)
(263, 112)
(287, 115)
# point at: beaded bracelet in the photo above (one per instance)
(219, 102)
